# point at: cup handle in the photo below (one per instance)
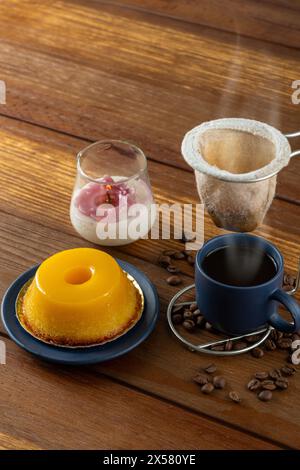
(292, 306)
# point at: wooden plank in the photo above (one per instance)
(277, 21)
(166, 77)
(74, 408)
(10, 442)
(34, 224)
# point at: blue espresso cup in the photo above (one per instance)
(240, 310)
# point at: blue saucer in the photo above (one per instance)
(90, 355)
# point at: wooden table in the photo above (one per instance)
(77, 71)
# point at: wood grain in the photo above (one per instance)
(94, 70)
(276, 21)
(74, 408)
(165, 78)
(38, 217)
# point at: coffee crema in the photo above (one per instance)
(240, 266)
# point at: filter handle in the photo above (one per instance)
(291, 136)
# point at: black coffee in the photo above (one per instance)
(238, 265)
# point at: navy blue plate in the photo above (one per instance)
(79, 356)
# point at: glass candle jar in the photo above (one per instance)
(112, 202)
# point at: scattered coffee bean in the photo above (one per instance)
(174, 280)
(265, 395)
(234, 396)
(228, 345)
(189, 325)
(164, 261)
(173, 269)
(237, 345)
(275, 374)
(257, 352)
(177, 309)
(270, 345)
(187, 314)
(218, 347)
(177, 318)
(208, 326)
(187, 253)
(200, 379)
(253, 385)
(210, 369)
(268, 385)
(252, 339)
(284, 343)
(196, 313)
(288, 370)
(219, 382)
(191, 260)
(207, 388)
(282, 383)
(276, 335)
(262, 375)
(178, 255)
(200, 321)
(295, 337)
(169, 252)
(194, 307)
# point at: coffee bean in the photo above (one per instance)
(177, 309)
(169, 252)
(187, 253)
(282, 384)
(228, 345)
(210, 369)
(219, 382)
(253, 385)
(284, 343)
(191, 260)
(295, 337)
(234, 396)
(268, 385)
(164, 261)
(189, 325)
(218, 347)
(275, 374)
(173, 269)
(270, 345)
(257, 352)
(262, 375)
(287, 335)
(288, 370)
(200, 379)
(178, 255)
(208, 326)
(207, 388)
(200, 321)
(252, 339)
(265, 395)
(276, 335)
(196, 313)
(187, 314)
(193, 307)
(237, 345)
(174, 280)
(177, 318)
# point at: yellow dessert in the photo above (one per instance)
(80, 297)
